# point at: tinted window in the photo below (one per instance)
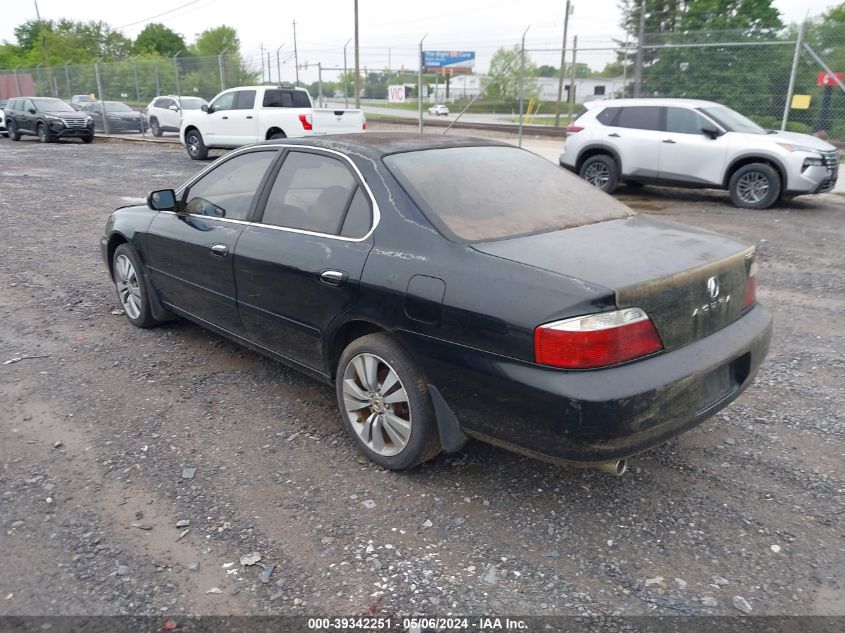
(311, 193)
(640, 117)
(227, 191)
(608, 116)
(245, 100)
(52, 105)
(359, 217)
(489, 193)
(192, 103)
(684, 121)
(286, 99)
(224, 102)
(117, 106)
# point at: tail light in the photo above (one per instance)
(305, 119)
(750, 295)
(363, 122)
(596, 340)
(572, 129)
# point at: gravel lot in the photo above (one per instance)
(101, 421)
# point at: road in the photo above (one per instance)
(101, 421)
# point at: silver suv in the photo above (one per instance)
(690, 143)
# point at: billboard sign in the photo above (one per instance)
(449, 61)
(396, 94)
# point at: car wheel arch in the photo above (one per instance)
(595, 150)
(342, 335)
(115, 240)
(274, 131)
(748, 159)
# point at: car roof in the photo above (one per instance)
(376, 146)
(649, 101)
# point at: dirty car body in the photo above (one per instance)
(545, 316)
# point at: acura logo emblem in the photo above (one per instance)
(713, 287)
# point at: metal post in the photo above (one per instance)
(279, 65)
(345, 76)
(638, 64)
(158, 83)
(320, 83)
(792, 74)
(269, 69)
(100, 96)
(176, 68)
(625, 63)
(221, 68)
(296, 51)
(357, 67)
(18, 83)
(562, 65)
(522, 83)
(572, 77)
(38, 77)
(67, 80)
(135, 73)
(420, 83)
(262, 62)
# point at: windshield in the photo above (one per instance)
(117, 106)
(732, 120)
(192, 103)
(52, 105)
(490, 193)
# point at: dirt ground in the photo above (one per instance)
(99, 420)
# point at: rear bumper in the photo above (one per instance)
(590, 417)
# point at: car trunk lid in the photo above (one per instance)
(689, 281)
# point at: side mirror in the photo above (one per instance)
(32, 111)
(163, 200)
(174, 107)
(206, 108)
(710, 131)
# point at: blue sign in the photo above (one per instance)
(455, 60)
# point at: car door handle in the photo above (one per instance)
(614, 135)
(668, 140)
(249, 117)
(332, 277)
(224, 117)
(220, 250)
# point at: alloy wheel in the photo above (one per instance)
(193, 144)
(597, 174)
(752, 187)
(128, 287)
(377, 404)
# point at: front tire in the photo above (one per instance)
(14, 133)
(384, 402)
(43, 133)
(88, 139)
(195, 146)
(155, 128)
(129, 280)
(755, 186)
(601, 171)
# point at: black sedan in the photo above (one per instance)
(119, 117)
(449, 288)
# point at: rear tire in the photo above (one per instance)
(384, 402)
(277, 135)
(14, 133)
(755, 186)
(195, 146)
(601, 171)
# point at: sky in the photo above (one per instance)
(389, 30)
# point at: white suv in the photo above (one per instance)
(165, 113)
(690, 143)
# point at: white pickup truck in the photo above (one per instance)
(250, 114)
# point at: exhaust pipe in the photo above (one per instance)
(616, 468)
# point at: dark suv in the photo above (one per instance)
(48, 119)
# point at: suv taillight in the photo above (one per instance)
(572, 129)
(305, 119)
(596, 340)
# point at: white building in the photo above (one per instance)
(590, 89)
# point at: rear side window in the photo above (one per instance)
(474, 194)
(608, 116)
(640, 117)
(244, 100)
(286, 99)
(312, 192)
(359, 217)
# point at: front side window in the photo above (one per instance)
(244, 100)
(684, 121)
(313, 193)
(640, 117)
(227, 191)
(224, 102)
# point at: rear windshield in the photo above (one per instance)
(286, 99)
(490, 193)
(192, 103)
(117, 106)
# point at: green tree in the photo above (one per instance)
(157, 38)
(215, 41)
(504, 75)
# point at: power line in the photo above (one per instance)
(159, 15)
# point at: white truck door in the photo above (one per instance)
(243, 119)
(215, 127)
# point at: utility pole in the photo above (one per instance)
(357, 62)
(522, 82)
(176, 67)
(638, 64)
(572, 77)
(279, 65)
(562, 63)
(420, 82)
(388, 61)
(345, 76)
(791, 89)
(262, 61)
(220, 67)
(296, 51)
(37, 12)
(269, 68)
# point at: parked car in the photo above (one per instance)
(47, 118)
(690, 143)
(119, 116)
(439, 110)
(165, 113)
(3, 104)
(530, 310)
(240, 116)
(77, 101)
